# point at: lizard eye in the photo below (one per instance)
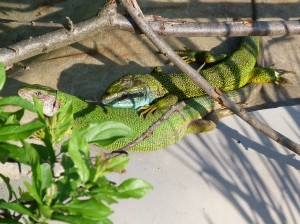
(38, 93)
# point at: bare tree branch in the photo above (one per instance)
(163, 26)
(57, 39)
(183, 28)
(194, 75)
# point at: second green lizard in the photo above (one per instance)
(139, 90)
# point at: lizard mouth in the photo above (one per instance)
(52, 108)
(125, 100)
(48, 98)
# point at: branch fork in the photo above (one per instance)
(194, 75)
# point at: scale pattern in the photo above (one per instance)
(169, 132)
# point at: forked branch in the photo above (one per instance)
(138, 17)
(108, 17)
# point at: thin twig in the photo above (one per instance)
(200, 68)
(70, 24)
(192, 73)
(147, 133)
(32, 23)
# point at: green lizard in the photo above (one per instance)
(139, 90)
(189, 120)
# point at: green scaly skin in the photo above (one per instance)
(170, 131)
(138, 90)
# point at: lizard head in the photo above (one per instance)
(127, 92)
(46, 95)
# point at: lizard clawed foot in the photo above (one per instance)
(163, 103)
(280, 79)
(190, 56)
(38, 135)
(147, 110)
(156, 70)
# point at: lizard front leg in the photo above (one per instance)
(208, 57)
(165, 102)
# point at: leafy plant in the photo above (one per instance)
(81, 193)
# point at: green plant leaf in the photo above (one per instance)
(106, 193)
(67, 164)
(19, 132)
(33, 192)
(79, 219)
(46, 211)
(79, 152)
(17, 101)
(14, 117)
(61, 123)
(9, 221)
(46, 176)
(51, 194)
(134, 188)
(2, 76)
(11, 118)
(16, 207)
(116, 164)
(39, 108)
(34, 162)
(91, 208)
(49, 148)
(106, 133)
(67, 186)
(69, 181)
(12, 151)
(42, 150)
(24, 195)
(46, 135)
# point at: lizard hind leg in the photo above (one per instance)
(209, 123)
(40, 134)
(200, 125)
(156, 70)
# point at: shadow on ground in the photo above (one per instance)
(256, 177)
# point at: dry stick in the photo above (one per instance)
(109, 18)
(182, 65)
(184, 28)
(32, 23)
(57, 39)
(148, 132)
